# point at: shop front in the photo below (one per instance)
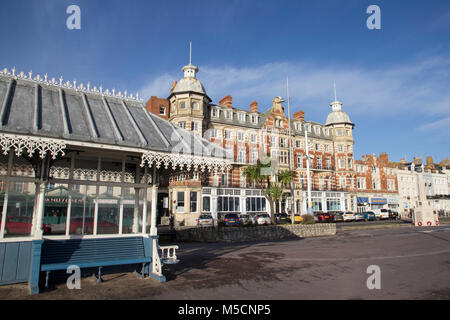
(362, 204)
(377, 203)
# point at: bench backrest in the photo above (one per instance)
(75, 251)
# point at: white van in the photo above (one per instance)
(381, 214)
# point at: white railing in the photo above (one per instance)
(168, 254)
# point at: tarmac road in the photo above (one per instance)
(414, 264)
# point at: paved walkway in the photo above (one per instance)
(414, 263)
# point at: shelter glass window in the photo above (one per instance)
(82, 211)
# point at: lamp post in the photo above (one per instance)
(308, 178)
(290, 155)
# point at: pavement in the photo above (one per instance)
(414, 263)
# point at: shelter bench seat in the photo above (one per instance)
(96, 253)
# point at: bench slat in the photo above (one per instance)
(64, 266)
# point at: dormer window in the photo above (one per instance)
(241, 116)
(162, 110)
(214, 113)
(229, 115)
(298, 126)
(317, 130)
(254, 118)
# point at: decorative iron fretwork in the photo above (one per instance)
(30, 145)
(70, 85)
(184, 161)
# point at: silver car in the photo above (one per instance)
(205, 220)
(247, 219)
(263, 218)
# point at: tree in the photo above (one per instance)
(274, 190)
(285, 177)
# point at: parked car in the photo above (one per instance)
(393, 214)
(263, 218)
(370, 216)
(298, 218)
(384, 214)
(205, 220)
(282, 218)
(247, 219)
(377, 213)
(359, 217)
(231, 219)
(21, 225)
(348, 216)
(326, 217)
(338, 217)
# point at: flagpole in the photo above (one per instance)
(290, 155)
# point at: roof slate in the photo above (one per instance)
(44, 110)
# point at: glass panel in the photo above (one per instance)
(82, 210)
(3, 164)
(85, 168)
(19, 214)
(22, 167)
(108, 210)
(111, 170)
(56, 204)
(128, 210)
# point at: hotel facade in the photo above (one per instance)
(249, 136)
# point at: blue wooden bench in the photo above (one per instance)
(96, 253)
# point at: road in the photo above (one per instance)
(414, 264)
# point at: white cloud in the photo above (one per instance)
(420, 86)
(436, 125)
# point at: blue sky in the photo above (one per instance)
(394, 82)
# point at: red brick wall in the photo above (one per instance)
(153, 105)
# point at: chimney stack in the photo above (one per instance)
(254, 106)
(300, 115)
(227, 101)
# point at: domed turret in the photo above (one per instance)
(337, 116)
(189, 82)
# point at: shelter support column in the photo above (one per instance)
(38, 232)
(153, 228)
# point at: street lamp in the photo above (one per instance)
(308, 178)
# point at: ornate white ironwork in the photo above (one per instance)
(70, 85)
(85, 174)
(32, 144)
(23, 170)
(184, 160)
(60, 172)
(106, 175)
